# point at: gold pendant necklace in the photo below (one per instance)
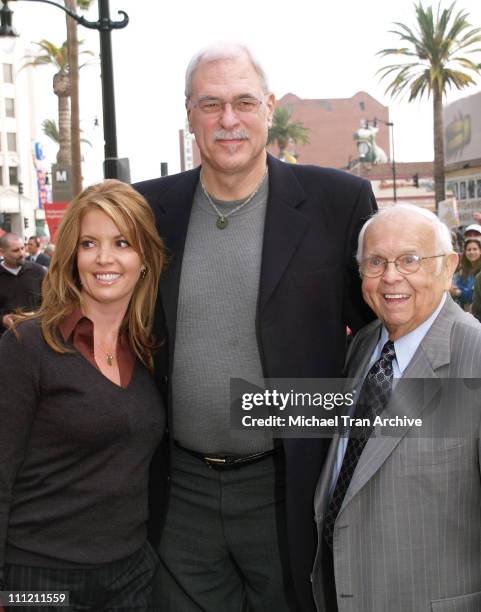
(110, 359)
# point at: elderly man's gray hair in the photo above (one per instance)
(441, 232)
(223, 51)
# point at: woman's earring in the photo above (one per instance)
(143, 272)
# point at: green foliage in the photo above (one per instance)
(283, 129)
(49, 54)
(435, 52)
(84, 4)
(50, 129)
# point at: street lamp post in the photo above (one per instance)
(113, 166)
(394, 187)
(390, 124)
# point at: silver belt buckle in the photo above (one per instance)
(215, 460)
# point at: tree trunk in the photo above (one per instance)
(73, 53)
(61, 88)
(438, 130)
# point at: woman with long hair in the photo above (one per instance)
(80, 414)
(469, 266)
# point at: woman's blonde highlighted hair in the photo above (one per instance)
(61, 287)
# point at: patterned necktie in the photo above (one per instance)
(373, 398)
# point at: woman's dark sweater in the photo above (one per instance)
(75, 450)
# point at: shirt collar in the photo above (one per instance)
(407, 345)
(11, 270)
(68, 324)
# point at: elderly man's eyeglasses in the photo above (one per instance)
(241, 106)
(405, 264)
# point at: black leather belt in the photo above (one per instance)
(228, 462)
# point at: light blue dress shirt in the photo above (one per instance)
(405, 347)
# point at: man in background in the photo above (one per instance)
(35, 254)
(20, 281)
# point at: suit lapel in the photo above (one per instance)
(361, 350)
(284, 229)
(356, 365)
(173, 215)
(284, 226)
(420, 380)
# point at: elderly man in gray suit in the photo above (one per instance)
(399, 511)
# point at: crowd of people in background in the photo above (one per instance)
(469, 268)
(21, 276)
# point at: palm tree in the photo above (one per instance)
(50, 129)
(435, 62)
(283, 130)
(73, 60)
(51, 54)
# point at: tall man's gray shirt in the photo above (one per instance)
(216, 328)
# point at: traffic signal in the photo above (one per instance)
(416, 180)
(20, 188)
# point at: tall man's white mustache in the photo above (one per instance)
(228, 135)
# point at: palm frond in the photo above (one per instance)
(50, 129)
(84, 4)
(436, 40)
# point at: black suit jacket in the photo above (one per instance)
(42, 260)
(309, 291)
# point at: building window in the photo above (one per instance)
(478, 188)
(471, 189)
(11, 141)
(7, 73)
(362, 106)
(451, 186)
(6, 221)
(462, 190)
(9, 107)
(1, 175)
(13, 175)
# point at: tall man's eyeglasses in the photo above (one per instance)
(240, 106)
(375, 266)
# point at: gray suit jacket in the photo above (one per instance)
(408, 535)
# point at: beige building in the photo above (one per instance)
(462, 154)
(414, 183)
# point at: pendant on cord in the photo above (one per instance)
(221, 222)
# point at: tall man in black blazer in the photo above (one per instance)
(261, 282)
